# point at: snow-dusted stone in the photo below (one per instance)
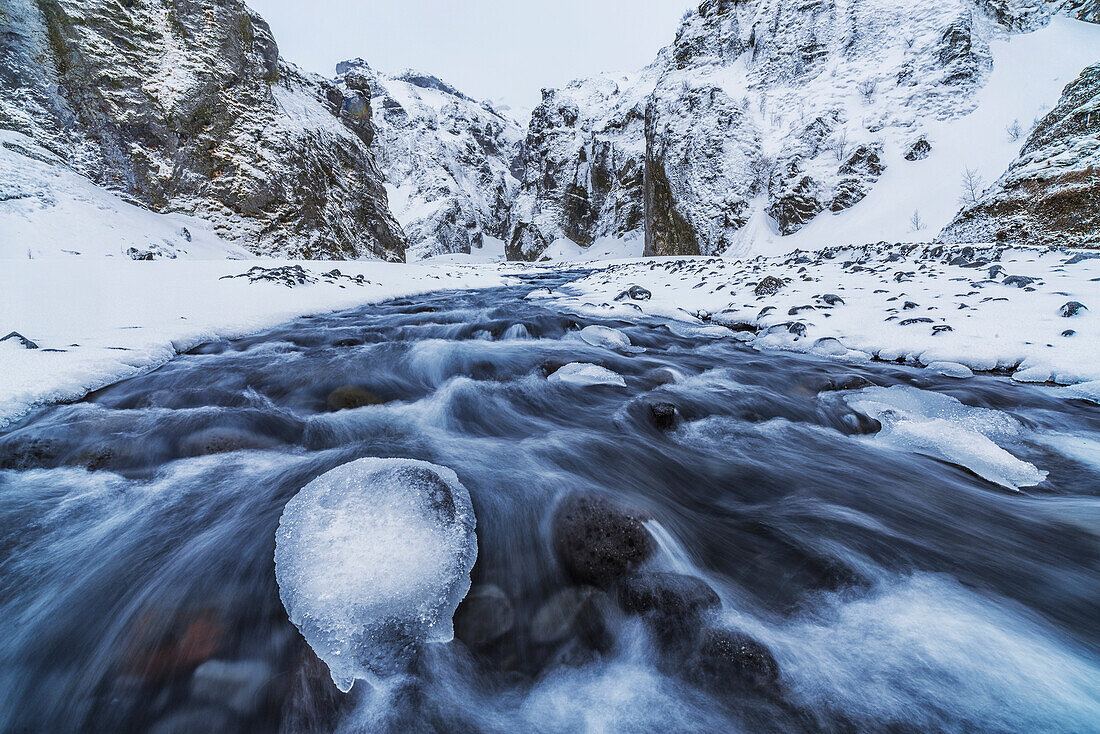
(582, 373)
(951, 369)
(944, 428)
(1032, 374)
(605, 336)
(373, 558)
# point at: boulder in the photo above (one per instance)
(728, 661)
(769, 286)
(598, 542)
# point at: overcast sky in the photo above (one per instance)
(502, 50)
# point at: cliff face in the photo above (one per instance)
(449, 161)
(1051, 192)
(186, 106)
(762, 115)
(583, 164)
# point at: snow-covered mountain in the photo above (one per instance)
(1051, 193)
(583, 164)
(774, 124)
(187, 108)
(449, 160)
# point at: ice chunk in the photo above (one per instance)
(605, 336)
(1085, 391)
(372, 558)
(582, 373)
(944, 428)
(951, 369)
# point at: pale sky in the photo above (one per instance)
(501, 50)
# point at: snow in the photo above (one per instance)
(586, 375)
(373, 557)
(48, 211)
(944, 428)
(993, 326)
(1028, 75)
(602, 248)
(111, 318)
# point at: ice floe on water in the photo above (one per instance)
(944, 428)
(372, 558)
(605, 336)
(581, 373)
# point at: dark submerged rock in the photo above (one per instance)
(350, 397)
(486, 614)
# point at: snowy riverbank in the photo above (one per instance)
(100, 320)
(956, 309)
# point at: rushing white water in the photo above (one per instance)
(138, 530)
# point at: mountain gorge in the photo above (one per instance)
(765, 126)
(449, 161)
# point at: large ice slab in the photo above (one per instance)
(372, 558)
(944, 428)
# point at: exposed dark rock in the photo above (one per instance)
(85, 79)
(1019, 281)
(860, 424)
(598, 542)
(769, 286)
(635, 293)
(20, 340)
(1051, 193)
(728, 661)
(919, 150)
(663, 415)
(1072, 309)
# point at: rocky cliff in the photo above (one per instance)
(186, 106)
(583, 164)
(760, 117)
(449, 161)
(1051, 192)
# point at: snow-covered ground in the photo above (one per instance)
(49, 211)
(890, 303)
(100, 320)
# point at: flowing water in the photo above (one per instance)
(896, 592)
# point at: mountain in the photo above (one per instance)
(1051, 192)
(583, 164)
(449, 160)
(186, 107)
(774, 124)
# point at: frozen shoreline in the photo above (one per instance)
(919, 304)
(101, 320)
